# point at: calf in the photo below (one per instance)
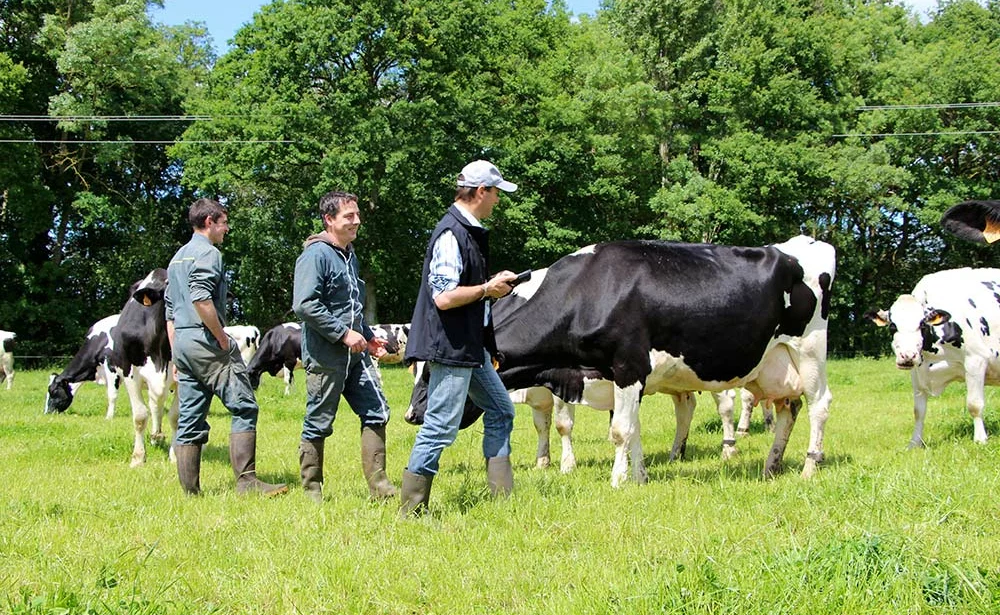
(7, 357)
(247, 338)
(89, 364)
(280, 349)
(676, 318)
(947, 330)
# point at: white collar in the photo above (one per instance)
(474, 221)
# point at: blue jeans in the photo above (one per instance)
(446, 393)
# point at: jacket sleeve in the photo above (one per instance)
(307, 298)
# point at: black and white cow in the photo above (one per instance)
(138, 351)
(395, 336)
(89, 364)
(280, 350)
(7, 357)
(948, 330)
(677, 318)
(247, 338)
(977, 221)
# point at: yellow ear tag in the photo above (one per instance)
(992, 231)
(145, 301)
(496, 365)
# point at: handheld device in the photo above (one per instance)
(524, 276)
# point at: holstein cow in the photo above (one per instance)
(89, 364)
(280, 349)
(137, 350)
(396, 336)
(677, 318)
(948, 329)
(247, 338)
(7, 357)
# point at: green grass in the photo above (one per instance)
(879, 530)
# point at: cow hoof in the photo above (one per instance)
(137, 461)
(542, 462)
(915, 444)
(568, 465)
(172, 456)
(809, 469)
(772, 470)
(728, 452)
(158, 439)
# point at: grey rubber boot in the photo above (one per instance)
(373, 463)
(311, 468)
(416, 492)
(500, 476)
(189, 467)
(243, 456)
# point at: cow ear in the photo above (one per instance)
(880, 318)
(146, 296)
(936, 317)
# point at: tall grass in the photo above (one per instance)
(879, 530)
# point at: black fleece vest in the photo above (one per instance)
(456, 336)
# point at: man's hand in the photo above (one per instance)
(354, 340)
(376, 347)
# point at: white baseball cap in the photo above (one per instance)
(483, 173)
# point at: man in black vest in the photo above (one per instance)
(452, 330)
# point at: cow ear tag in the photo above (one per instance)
(145, 301)
(992, 231)
(937, 317)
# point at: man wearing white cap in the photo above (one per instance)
(452, 330)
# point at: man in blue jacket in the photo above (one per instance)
(452, 330)
(338, 347)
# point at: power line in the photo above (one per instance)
(915, 134)
(971, 105)
(97, 141)
(108, 118)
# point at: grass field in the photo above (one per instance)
(878, 530)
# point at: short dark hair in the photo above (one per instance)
(331, 202)
(465, 193)
(203, 209)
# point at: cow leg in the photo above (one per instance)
(111, 380)
(158, 386)
(747, 402)
(286, 374)
(565, 415)
(543, 421)
(919, 410)
(625, 434)
(975, 402)
(684, 404)
(140, 414)
(174, 414)
(819, 398)
(767, 409)
(724, 402)
(786, 412)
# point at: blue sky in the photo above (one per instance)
(224, 17)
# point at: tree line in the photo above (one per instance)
(727, 121)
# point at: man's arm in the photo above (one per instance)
(206, 311)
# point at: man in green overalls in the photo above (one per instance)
(208, 362)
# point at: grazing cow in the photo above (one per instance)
(280, 349)
(396, 336)
(7, 357)
(135, 349)
(947, 330)
(676, 318)
(89, 364)
(247, 338)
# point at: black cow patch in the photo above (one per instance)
(972, 303)
(985, 328)
(951, 334)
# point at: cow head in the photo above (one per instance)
(418, 399)
(911, 325)
(59, 395)
(391, 341)
(151, 288)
